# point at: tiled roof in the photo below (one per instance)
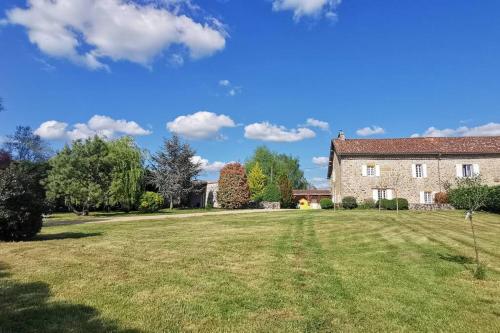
(312, 192)
(416, 146)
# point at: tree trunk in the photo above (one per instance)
(171, 202)
(474, 237)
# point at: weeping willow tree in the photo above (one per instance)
(128, 172)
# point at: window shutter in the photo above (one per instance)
(363, 170)
(375, 195)
(389, 194)
(424, 167)
(475, 168)
(414, 171)
(434, 197)
(422, 197)
(377, 170)
(459, 170)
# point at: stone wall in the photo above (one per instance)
(431, 207)
(348, 179)
(269, 205)
(211, 195)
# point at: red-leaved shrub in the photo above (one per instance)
(441, 198)
(233, 187)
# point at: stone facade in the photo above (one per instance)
(395, 174)
(211, 195)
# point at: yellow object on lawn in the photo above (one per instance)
(303, 204)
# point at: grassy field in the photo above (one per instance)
(297, 271)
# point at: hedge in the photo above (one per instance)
(326, 203)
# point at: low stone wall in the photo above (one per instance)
(269, 205)
(431, 207)
(264, 205)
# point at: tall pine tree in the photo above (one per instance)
(174, 170)
(256, 182)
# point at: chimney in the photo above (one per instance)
(341, 135)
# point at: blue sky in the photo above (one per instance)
(258, 70)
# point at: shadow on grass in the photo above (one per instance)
(66, 235)
(457, 259)
(26, 307)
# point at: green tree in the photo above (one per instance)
(471, 194)
(275, 165)
(24, 145)
(128, 171)
(233, 190)
(22, 200)
(174, 170)
(81, 175)
(286, 190)
(271, 193)
(256, 182)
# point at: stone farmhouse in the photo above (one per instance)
(411, 168)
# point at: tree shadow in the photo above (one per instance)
(27, 307)
(65, 235)
(464, 260)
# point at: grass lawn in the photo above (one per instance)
(297, 271)
(96, 216)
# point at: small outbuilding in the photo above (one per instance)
(310, 198)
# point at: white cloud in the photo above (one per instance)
(208, 167)
(367, 131)
(490, 129)
(52, 130)
(224, 83)
(89, 31)
(321, 183)
(268, 132)
(176, 60)
(200, 125)
(321, 161)
(318, 123)
(302, 8)
(102, 126)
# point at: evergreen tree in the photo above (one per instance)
(174, 170)
(256, 182)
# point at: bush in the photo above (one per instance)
(326, 203)
(233, 187)
(493, 202)
(392, 204)
(271, 193)
(367, 204)
(349, 203)
(151, 202)
(22, 200)
(402, 203)
(441, 198)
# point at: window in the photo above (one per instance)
(467, 170)
(382, 193)
(370, 170)
(428, 198)
(419, 171)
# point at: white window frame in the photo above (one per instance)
(382, 193)
(371, 170)
(428, 198)
(419, 171)
(467, 170)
